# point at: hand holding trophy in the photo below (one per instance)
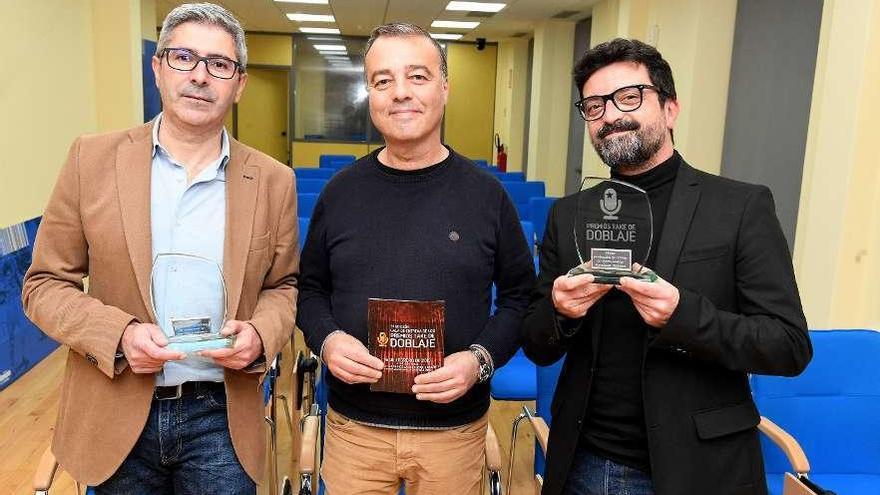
(613, 231)
(194, 323)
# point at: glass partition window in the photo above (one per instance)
(330, 97)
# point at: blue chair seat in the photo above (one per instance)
(516, 380)
(842, 484)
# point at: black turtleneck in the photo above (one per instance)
(615, 424)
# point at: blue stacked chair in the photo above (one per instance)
(305, 204)
(833, 411)
(521, 193)
(529, 232)
(310, 185)
(336, 161)
(303, 231)
(314, 173)
(539, 210)
(547, 376)
(510, 176)
(515, 380)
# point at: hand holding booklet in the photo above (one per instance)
(408, 337)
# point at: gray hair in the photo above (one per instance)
(204, 13)
(402, 30)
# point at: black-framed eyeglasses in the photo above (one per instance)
(186, 60)
(626, 99)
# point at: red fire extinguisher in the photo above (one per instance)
(501, 160)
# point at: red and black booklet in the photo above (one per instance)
(408, 337)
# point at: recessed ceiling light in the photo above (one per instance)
(445, 36)
(455, 24)
(310, 18)
(311, 30)
(330, 48)
(323, 38)
(315, 2)
(476, 6)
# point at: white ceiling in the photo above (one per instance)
(358, 17)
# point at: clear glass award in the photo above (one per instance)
(188, 295)
(613, 231)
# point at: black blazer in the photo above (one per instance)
(739, 312)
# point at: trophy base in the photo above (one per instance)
(194, 343)
(612, 277)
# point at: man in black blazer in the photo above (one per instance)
(654, 395)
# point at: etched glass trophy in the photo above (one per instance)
(188, 295)
(613, 230)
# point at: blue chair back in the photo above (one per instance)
(521, 193)
(510, 176)
(305, 204)
(529, 231)
(303, 232)
(546, 377)
(539, 210)
(310, 185)
(516, 380)
(336, 161)
(314, 173)
(832, 409)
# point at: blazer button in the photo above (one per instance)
(91, 359)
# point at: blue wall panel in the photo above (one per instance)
(22, 345)
(152, 101)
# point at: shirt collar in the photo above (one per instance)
(224, 145)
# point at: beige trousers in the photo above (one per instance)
(367, 460)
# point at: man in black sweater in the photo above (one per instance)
(653, 396)
(413, 220)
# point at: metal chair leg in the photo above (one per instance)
(516, 423)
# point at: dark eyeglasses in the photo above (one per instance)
(185, 60)
(626, 99)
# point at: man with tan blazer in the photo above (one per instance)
(136, 416)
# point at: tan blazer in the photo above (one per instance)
(97, 224)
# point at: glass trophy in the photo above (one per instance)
(188, 295)
(613, 230)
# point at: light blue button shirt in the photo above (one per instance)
(188, 219)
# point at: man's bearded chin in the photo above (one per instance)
(628, 150)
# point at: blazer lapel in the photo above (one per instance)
(682, 205)
(133, 166)
(242, 183)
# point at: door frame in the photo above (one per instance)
(289, 70)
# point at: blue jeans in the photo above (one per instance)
(594, 475)
(184, 449)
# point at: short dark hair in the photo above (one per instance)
(626, 50)
(401, 30)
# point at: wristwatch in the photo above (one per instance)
(485, 368)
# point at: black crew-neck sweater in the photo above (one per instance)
(446, 232)
(615, 425)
